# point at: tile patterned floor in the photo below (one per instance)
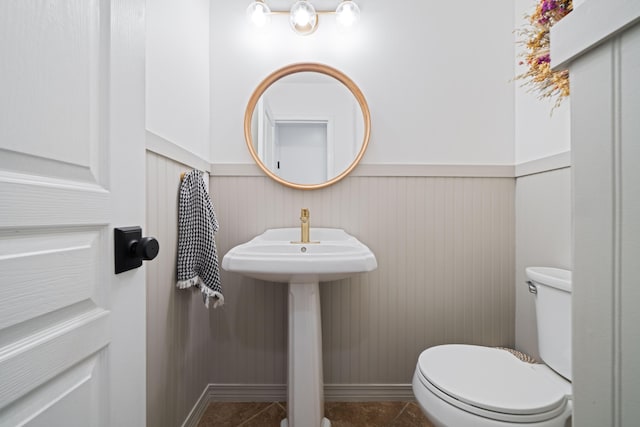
(341, 414)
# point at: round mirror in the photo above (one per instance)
(307, 125)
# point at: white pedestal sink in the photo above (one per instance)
(332, 255)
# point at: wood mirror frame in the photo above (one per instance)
(298, 68)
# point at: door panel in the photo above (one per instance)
(32, 287)
(73, 387)
(71, 168)
(53, 62)
(41, 358)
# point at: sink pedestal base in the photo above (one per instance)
(273, 257)
(305, 391)
(324, 423)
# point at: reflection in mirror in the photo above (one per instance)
(307, 129)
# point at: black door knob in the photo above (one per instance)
(146, 248)
(131, 248)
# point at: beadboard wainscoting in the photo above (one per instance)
(179, 342)
(543, 235)
(445, 250)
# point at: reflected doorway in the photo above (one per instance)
(301, 151)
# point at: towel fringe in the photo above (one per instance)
(207, 293)
(184, 284)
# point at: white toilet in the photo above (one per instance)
(460, 385)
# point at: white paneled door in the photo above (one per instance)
(72, 333)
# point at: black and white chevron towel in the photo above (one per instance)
(197, 225)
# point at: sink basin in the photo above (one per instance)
(332, 255)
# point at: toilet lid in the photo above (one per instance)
(490, 379)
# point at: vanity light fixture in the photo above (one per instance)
(303, 17)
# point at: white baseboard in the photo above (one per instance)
(368, 392)
(198, 409)
(247, 392)
(278, 393)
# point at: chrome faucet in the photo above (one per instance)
(304, 225)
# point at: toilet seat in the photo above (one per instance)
(493, 383)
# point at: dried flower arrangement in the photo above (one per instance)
(535, 38)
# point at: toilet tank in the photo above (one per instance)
(552, 290)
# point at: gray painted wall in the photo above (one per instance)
(543, 238)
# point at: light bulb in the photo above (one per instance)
(259, 13)
(347, 14)
(303, 18)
